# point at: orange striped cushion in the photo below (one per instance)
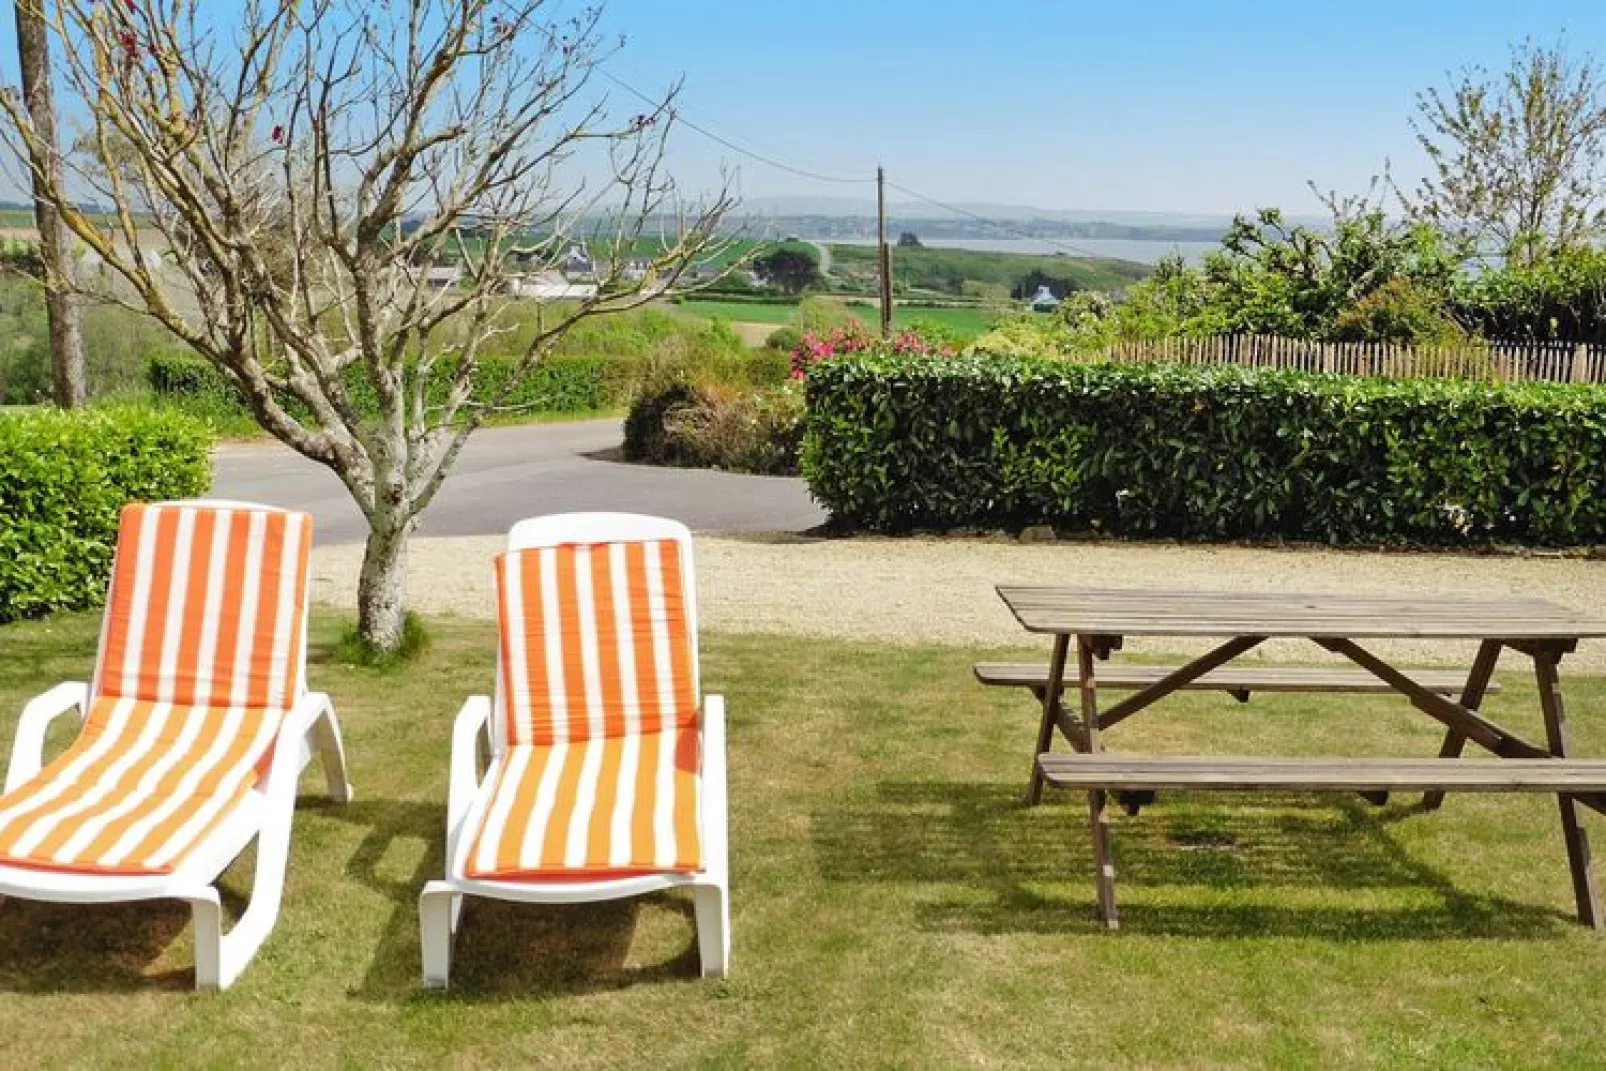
(610, 806)
(595, 642)
(206, 606)
(140, 787)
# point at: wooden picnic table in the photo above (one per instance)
(1099, 619)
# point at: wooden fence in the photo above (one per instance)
(1512, 362)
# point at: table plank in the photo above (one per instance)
(1322, 774)
(1147, 612)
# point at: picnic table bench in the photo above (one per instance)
(1098, 619)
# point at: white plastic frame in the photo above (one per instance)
(479, 725)
(265, 815)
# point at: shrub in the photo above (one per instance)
(64, 478)
(1204, 453)
(784, 339)
(714, 425)
(647, 437)
(821, 314)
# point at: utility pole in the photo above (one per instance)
(883, 254)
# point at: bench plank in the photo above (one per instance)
(1127, 677)
(1323, 774)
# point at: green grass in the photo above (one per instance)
(741, 311)
(947, 270)
(893, 903)
(968, 321)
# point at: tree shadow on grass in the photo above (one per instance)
(502, 950)
(985, 862)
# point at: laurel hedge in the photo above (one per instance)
(64, 478)
(898, 443)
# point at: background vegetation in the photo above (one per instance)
(64, 479)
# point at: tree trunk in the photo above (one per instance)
(66, 331)
(381, 589)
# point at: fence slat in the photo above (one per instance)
(1511, 362)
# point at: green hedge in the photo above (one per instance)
(561, 383)
(64, 477)
(556, 385)
(1204, 453)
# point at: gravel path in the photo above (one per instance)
(941, 590)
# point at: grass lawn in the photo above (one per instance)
(893, 903)
(968, 321)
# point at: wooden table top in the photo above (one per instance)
(1138, 612)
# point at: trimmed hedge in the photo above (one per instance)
(556, 385)
(1204, 453)
(561, 383)
(64, 478)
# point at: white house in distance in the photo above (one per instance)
(1044, 300)
(550, 286)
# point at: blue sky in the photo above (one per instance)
(1147, 105)
(1164, 105)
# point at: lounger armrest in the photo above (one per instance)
(469, 731)
(28, 749)
(715, 814)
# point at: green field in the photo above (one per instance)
(967, 322)
(948, 270)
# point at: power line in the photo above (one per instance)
(680, 116)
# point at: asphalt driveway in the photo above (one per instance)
(507, 474)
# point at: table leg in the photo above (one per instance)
(1051, 711)
(1097, 800)
(1572, 829)
(1471, 698)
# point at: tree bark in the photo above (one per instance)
(381, 587)
(61, 304)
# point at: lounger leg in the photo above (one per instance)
(207, 913)
(1572, 827)
(1471, 698)
(713, 930)
(326, 739)
(438, 910)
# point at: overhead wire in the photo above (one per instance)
(769, 161)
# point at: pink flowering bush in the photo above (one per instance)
(854, 338)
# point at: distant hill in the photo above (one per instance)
(846, 217)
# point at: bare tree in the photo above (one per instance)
(1518, 160)
(61, 303)
(302, 167)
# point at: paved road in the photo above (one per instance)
(506, 474)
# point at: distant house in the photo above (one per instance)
(550, 286)
(443, 276)
(578, 265)
(1044, 300)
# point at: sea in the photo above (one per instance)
(1144, 252)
